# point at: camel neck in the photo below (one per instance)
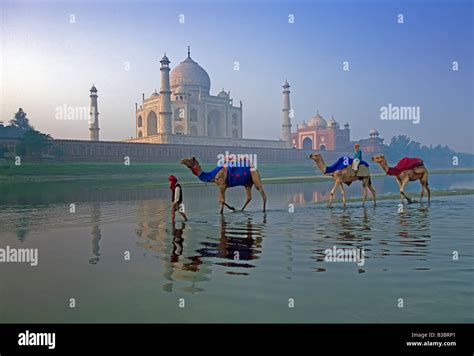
(321, 165)
(384, 166)
(196, 169)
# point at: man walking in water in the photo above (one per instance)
(357, 158)
(176, 198)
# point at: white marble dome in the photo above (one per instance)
(190, 75)
(179, 90)
(317, 121)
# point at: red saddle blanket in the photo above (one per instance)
(404, 164)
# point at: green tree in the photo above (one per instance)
(33, 144)
(21, 121)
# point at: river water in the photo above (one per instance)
(118, 258)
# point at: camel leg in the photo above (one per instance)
(257, 181)
(399, 182)
(402, 190)
(222, 199)
(422, 190)
(372, 190)
(425, 183)
(364, 191)
(331, 193)
(248, 190)
(259, 187)
(343, 192)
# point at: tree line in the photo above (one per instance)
(434, 156)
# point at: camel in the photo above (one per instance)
(418, 173)
(343, 176)
(221, 181)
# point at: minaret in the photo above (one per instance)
(93, 116)
(165, 97)
(286, 120)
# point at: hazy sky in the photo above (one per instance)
(49, 62)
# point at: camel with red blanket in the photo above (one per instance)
(343, 174)
(406, 170)
(245, 177)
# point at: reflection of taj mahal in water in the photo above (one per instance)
(184, 112)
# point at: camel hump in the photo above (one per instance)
(363, 171)
(419, 169)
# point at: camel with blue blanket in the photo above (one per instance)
(229, 176)
(342, 172)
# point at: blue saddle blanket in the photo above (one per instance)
(209, 176)
(343, 162)
(237, 176)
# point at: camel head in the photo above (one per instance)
(189, 162)
(379, 159)
(315, 156)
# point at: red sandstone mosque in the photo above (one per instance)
(319, 134)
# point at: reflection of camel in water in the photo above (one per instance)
(414, 235)
(418, 173)
(343, 176)
(238, 242)
(221, 181)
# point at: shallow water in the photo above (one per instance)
(240, 267)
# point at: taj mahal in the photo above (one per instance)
(183, 118)
(194, 111)
(184, 112)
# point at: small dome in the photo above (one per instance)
(93, 88)
(317, 121)
(373, 132)
(302, 126)
(333, 123)
(223, 94)
(155, 93)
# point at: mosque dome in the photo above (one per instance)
(190, 75)
(155, 93)
(373, 132)
(333, 123)
(317, 121)
(302, 126)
